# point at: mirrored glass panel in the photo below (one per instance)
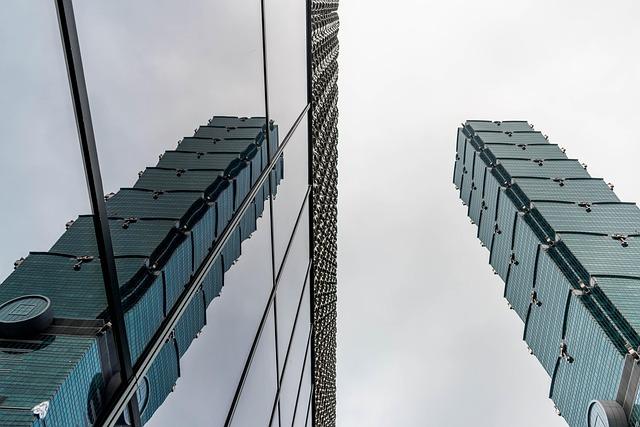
(158, 72)
(256, 401)
(302, 415)
(290, 287)
(285, 36)
(43, 177)
(212, 367)
(52, 297)
(291, 191)
(293, 372)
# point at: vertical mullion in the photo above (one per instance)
(309, 407)
(304, 365)
(276, 401)
(86, 137)
(271, 227)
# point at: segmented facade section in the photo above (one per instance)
(324, 79)
(566, 248)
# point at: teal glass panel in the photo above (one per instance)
(467, 180)
(64, 370)
(489, 125)
(525, 151)
(177, 272)
(543, 331)
(487, 223)
(520, 281)
(608, 218)
(191, 323)
(458, 164)
(565, 190)
(501, 245)
(162, 377)
(509, 137)
(143, 317)
(595, 369)
(141, 203)
(477, 198)
(554, 168)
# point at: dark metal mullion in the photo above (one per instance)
(311, 399)
(276, 401)
(309, 48)
(86, 137)
(304, 365)
(265, 77)
(270, 301)
(163, 333)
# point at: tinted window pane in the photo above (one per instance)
(42, 187)
(291, 191)
(303, 410)
(39, 150)
(256, 401)
(291, 284)
(295, 362)
(286, 60)
(213, 365)
(158, 70)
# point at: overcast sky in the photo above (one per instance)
(425, 337)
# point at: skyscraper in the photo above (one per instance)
(176, 235)
(567, 250)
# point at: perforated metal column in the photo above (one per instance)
(324, 139)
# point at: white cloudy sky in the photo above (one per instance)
(425, 337)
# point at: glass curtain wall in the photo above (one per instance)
(164, 79)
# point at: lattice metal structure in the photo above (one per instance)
(567, 250)
(324, 138)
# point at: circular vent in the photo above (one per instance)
(606, 413)
(25, 316)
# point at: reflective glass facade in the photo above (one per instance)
(215, 241)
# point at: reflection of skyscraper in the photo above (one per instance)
(270, 334)
(57, 360)
(567, 249)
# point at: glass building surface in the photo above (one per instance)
(229, 237)
(567, 250)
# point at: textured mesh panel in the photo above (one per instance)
(324, 140)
